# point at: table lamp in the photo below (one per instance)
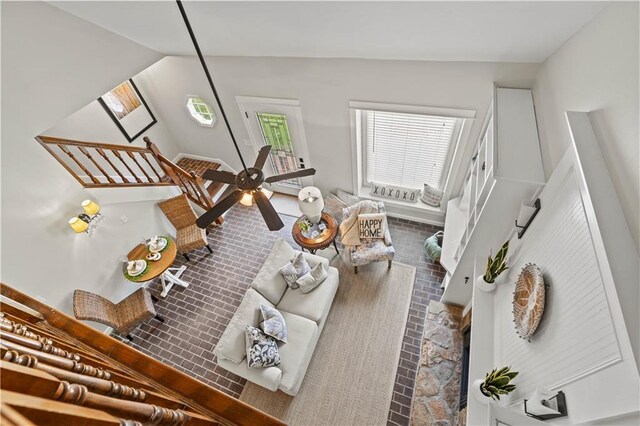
(311, 203)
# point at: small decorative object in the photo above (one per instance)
(154, 257)
(322, 226)
(401, 193)
(495, 267)
(128, 110)
(314, 234)
(87, 221)
(304, 226)
(495, 383)
(545, 405)
(156, 244)
(433, 246)
(528, 301)
(311, 203)
(136, 267)
(431, 196)
(526, 215)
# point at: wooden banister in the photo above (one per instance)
(104, 165)
(165, 387)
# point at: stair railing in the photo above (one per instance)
(102, 165)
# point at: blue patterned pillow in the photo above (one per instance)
(262, 350)
(273, 323)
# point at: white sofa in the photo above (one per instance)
(304, 314)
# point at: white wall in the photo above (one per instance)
(52, 65)
(324, 88)
(92, 124)
(597, 70)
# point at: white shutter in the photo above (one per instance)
(407, 149)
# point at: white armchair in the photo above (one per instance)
(376, 250)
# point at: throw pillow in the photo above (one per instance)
(401, 193)
(334, 205)
(273, 323)
(299, 266)
(262, 350)
(348, 198)
(289, 274)
(313, 278)
(371, 226)
(431, 196)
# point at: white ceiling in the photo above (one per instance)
(438, 31)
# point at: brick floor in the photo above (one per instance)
(197, 316)
(196, 165)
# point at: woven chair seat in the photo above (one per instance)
(122, 316)
(190, 238)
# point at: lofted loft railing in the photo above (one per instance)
(101, 165)
(56, 370)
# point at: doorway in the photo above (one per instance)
(278, 122)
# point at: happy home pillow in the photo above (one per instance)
(371, 226)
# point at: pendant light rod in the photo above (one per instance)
(213, 88)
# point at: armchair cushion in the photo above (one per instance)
(373, 251)
(371, 226)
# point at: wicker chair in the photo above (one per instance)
(123, 316)
(183, 218)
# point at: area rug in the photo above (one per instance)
(352, 373)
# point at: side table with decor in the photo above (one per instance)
(153, 259)
(318, 236)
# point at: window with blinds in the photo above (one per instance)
(407, 149)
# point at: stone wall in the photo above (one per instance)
(437, 392)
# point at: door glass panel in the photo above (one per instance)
(275, 132)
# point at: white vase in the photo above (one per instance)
(481, 284)
(477, 393)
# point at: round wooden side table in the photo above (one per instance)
(324, 239)
(159, 268)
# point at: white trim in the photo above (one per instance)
(214, 117)
(267, 101)
(414, 109)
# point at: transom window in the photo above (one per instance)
(200, 111)
(407, 149)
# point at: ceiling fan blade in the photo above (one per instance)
(263, 154)
(269, 214)
(219, 176)
(218, 209)
(291, 175)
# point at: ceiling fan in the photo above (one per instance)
(250, 179)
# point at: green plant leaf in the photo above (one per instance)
(512, 374)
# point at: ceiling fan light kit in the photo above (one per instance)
(247, 182)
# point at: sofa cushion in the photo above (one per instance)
(268, 281)
(231, 345)
(313, 305)
(314, 259)
(268, 377)
(262, 350)
(273, 324)
(296, 353)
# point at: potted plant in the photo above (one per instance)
(304, 226)
(495, 266)
(496, 383)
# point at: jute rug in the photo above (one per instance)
(352, 373)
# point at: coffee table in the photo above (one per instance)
(323, 240)
(159, 268)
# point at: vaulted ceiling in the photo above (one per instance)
(440, 31)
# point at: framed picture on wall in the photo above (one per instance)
(128, 110)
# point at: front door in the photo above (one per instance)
(278, 122)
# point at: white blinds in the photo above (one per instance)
(407, 149)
